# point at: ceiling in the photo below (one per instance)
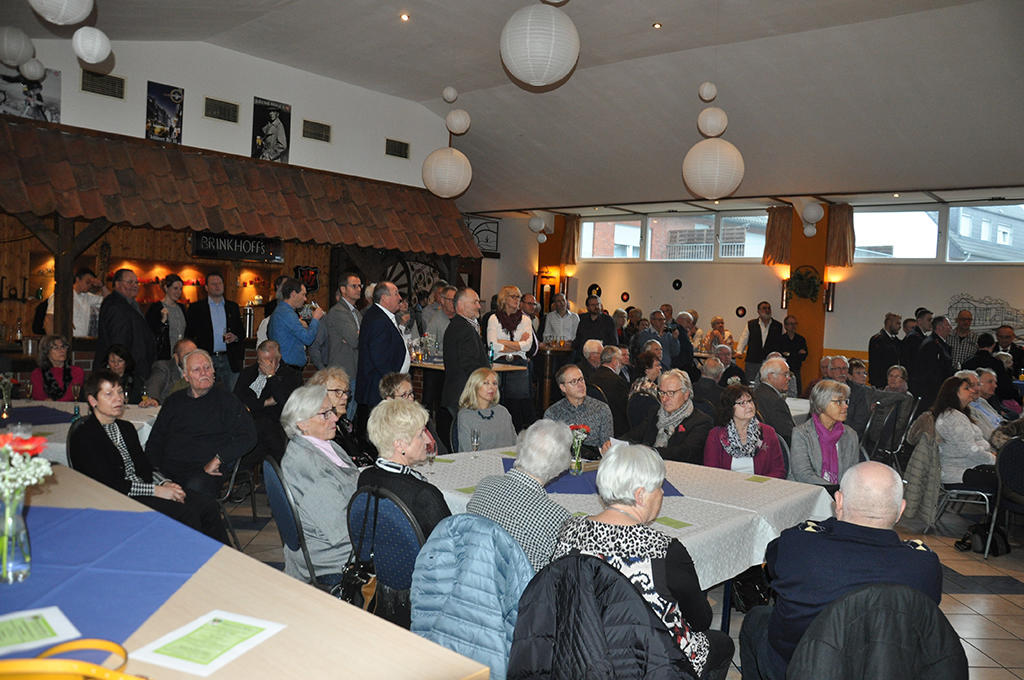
(824, 97)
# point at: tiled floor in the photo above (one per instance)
(983, 599)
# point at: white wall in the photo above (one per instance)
(517, 264)
(360, 119)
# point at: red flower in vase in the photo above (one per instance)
(33, 446)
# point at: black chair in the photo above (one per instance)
(639, 407)
(894, 450)
(453, 434)
(1010, 498)
(885, 416)
(71, 430)
(785, 454)
(286, 516)
(595, 392)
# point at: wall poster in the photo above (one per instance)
(37, 99)
(271, 123)
(164, 107)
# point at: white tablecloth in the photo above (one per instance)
(729, 518)
(799, 408)
(57, 433)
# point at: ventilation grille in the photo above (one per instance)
(313, 130)
(215, 108)
(397, 148)
(106, 85)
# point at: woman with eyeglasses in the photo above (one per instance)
(55, 379)
(322, 479)
(399, 386)
(740, 442)
(480, 411)
(823, 447)
(336, 381)
(676, 430)
(511, 340)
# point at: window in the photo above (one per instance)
(742, 235)
(689, 238)
(986, 230)
(611, 238)
(996, 242)
(1004, 236)
(908, 234)
(965, 224)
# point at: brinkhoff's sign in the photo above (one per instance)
(229, 247)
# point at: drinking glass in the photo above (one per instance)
(21, 430)
(474, 439)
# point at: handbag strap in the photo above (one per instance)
(55, 668)
(357, 553)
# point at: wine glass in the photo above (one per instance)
(474, 440)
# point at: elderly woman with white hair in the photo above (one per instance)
(677, 430)
(322, 479)
(629, 482)
(517, 500)
(823, 447)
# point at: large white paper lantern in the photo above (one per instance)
(15, 46)
(712, 121)
(91, 45)
(713, 168)
(32, 69)
(457, 121)
(707, 90)
(449, 94)
(62, 12)
(447, 172)
(539, 44)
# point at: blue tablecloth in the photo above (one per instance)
(39, 415)
(107, 570)
(581, 484)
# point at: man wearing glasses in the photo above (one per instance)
(579, 409)
(342, 325)
(383, 349)
(264, 387)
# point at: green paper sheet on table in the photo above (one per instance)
(467, 489)
(206, 643)
(673, 523)
(443, 460)
(758, 478)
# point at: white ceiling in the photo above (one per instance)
(825, 97)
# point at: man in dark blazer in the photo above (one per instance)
(984, 359)
(216, 326)
(383, 349)
(912, 341)
(615, 387)
(761, 337)
(770, 397)
(731, 370)
(464, 349)
(884, 350)
(121, 323)
(707, 388)
(933, 364)
(264, 387)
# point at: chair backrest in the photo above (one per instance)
(785, 453)
(384, 530)
(453, 433)
(1010, 468)
(286, 516)
(884, 423)
(595, 392)
(226, 491)
(72, 449)
(639, 407)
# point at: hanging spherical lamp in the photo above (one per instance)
(15, 46)
(812, 213)
(62, 12)
(457, 121)
(713, 168)
(810, 230)
(449, 94)
(707, 90)
(32, 69)
(712, 121)
(542, 238)
(539, 45)
(447, 172)
(91, 45)
(536, 224)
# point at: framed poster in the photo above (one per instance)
(37, 99)
(271, 125)
(164, 107)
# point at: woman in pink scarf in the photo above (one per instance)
(823, 447)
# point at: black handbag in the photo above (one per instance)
(358, 584)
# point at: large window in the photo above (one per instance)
(689, 238)
(885, 235)
(1000, 237)
(611, 238)
(742, 235)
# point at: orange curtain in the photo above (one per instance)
(778, 235)
(841, 239)
(572, 235)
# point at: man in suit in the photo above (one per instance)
(1005, 339)
(658, 331)
(707, 387)
(168, 374)
(383, 349)
(983, 359)
(122, 323)
(342, 326)
(264, 387)
(731, 370)
(912, 341)
(591, 358)
(216, 326)
(761, 337)
(770, 397)
(616, 388)
(884, 350)
(464, 350)
(933, 364)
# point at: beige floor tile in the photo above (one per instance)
(989, 604)
(950, 605)
(977, 626)
(1006, 653)
(1016, 599)
(1014, 624)
(991, 674)
(1019, 672)
(975, 657)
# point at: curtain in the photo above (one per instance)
(572, 235)
(841, 239)
(777, 235)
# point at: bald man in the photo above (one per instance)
(815, 563)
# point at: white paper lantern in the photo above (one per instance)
(62, 12)
(447, 172)
(810, 230)
(712, 121)
(15, 46)
(32, 69)
(458, 121)
(539, 44)
(541, 238)
(536, 224)
(91, 45)
(707, 90)
(812, 213)
(713, 168)
(449, 94)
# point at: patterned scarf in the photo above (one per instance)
(53, 390)
(735, 448)
(398, 468)
(668, 423)
(510, 322)
(828, 439)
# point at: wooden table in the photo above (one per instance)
(439, 366)
(323, 637)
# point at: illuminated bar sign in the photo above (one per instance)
(230, 247)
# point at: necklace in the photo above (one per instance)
(623, 512)
(485, 417)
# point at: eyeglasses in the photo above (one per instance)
(338, 392)
(405, 395)
(326, 415)
(58, 345)
(841, 401)
(669, 393)
(574, 381)
(515, 297)
(744, 402)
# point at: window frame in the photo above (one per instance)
(940, 236)
(580, 257)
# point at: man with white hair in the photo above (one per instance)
(724, 354)
(770, 397)
(614, 386)
(707, 387)
(660, 332)
(591, 358)
(815, 563)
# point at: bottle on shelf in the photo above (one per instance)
(18, 334)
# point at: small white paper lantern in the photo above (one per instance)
(713, 168)
(15, 46)
(541, 238)
(707, 90)
(810, 230)
(539, 44)
(536, 224)
(91, 45)
(447, 172)
(457, 121)
(449, 94)
(62, 12)
(32, 69)
(812, 213)
(712, 121)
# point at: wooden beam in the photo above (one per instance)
(64, 274)
(88, 236)
(40, 230)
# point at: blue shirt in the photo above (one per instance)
(219, 319)
(287, 330)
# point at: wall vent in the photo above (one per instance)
(314, 130)
(397, 148)
(106, 85)
(215, 108)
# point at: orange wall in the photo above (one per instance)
(810, 315)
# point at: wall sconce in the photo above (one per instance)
(784, 302)
(830, 296)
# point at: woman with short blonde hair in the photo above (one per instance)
(480, 412)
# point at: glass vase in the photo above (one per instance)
(15, 553)
(576, 465)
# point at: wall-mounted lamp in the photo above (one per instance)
(830, 296)
(784, 302)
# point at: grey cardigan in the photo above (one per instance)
(805, 453)
(321, 490)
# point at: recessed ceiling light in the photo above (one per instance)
(404, 16)
(895, 195)
(656, 24)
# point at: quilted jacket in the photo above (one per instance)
(924, 471)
